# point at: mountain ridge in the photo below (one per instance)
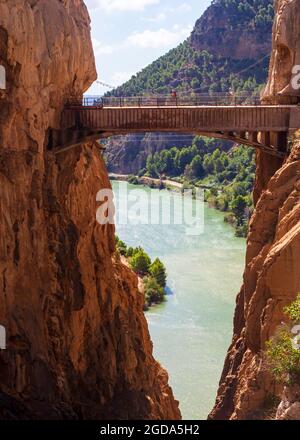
(211, 59)
(188, 69)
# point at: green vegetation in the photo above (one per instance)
(196, 160)
(133, 180)
(154, 293)
(187, 70)
(154, 274)
(158, 272)
(293, 310)
(140, 262)
(282, 356)
(228, 174)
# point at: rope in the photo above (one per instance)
(254, 64)
(105, 85)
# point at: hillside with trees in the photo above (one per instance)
(200, 64)
(229, 49)
(227, 174)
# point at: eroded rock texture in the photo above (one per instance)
(271, 281)
(234, 29)
(286, 54)
(77, 340)
(272, 276)
(289, 408)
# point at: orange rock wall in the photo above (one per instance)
(78, 345)
(272, 275)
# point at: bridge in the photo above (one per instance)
(236, 117)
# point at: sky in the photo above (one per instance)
(130, 34)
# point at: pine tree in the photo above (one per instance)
(158, 271)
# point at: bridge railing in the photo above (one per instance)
(178, 100)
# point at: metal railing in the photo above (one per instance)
(172, 100)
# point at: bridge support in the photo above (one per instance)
(62, 140)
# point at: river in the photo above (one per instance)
(192, 330)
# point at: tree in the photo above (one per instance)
(150, 166)
(208, 164)
(167, 161)
(121, 246)
(159, 273)
(197, 169)
(219, 167)
(238, 207)
(154, 293)
(130, 252)
(140, 262)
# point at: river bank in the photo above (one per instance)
(149, 181)
(173, 185)
(192, 329)
(152, 274)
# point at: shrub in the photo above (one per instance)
(140, 262)
(229, 218)
(121, 246)
(293, 310)
(238, 207)
(283, 358)
(158, 272)
(242, 230)
(133, 180)
(130, 252)
(154, 293)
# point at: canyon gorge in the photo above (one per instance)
(77, 340)
(78, 345)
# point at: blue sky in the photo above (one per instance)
(130, 34)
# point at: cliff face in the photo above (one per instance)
(235, 29)
(77, 340)
(128, 154)
(228, 48)
(272, 277)
(286, 53)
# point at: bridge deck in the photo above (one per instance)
(257, 125)
(180, 119)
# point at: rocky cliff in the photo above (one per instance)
(272, 277)
(77, 340)
(285, 55)
(128, 154)
(228, 48)
(236, 29)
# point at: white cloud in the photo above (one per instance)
(101, 48)
(184, 7)
(120, 5)
(158, 39)
(159, 17)
(119, 78)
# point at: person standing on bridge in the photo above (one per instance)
(174, 95)
(232, 96)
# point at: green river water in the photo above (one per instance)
(192, 330)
